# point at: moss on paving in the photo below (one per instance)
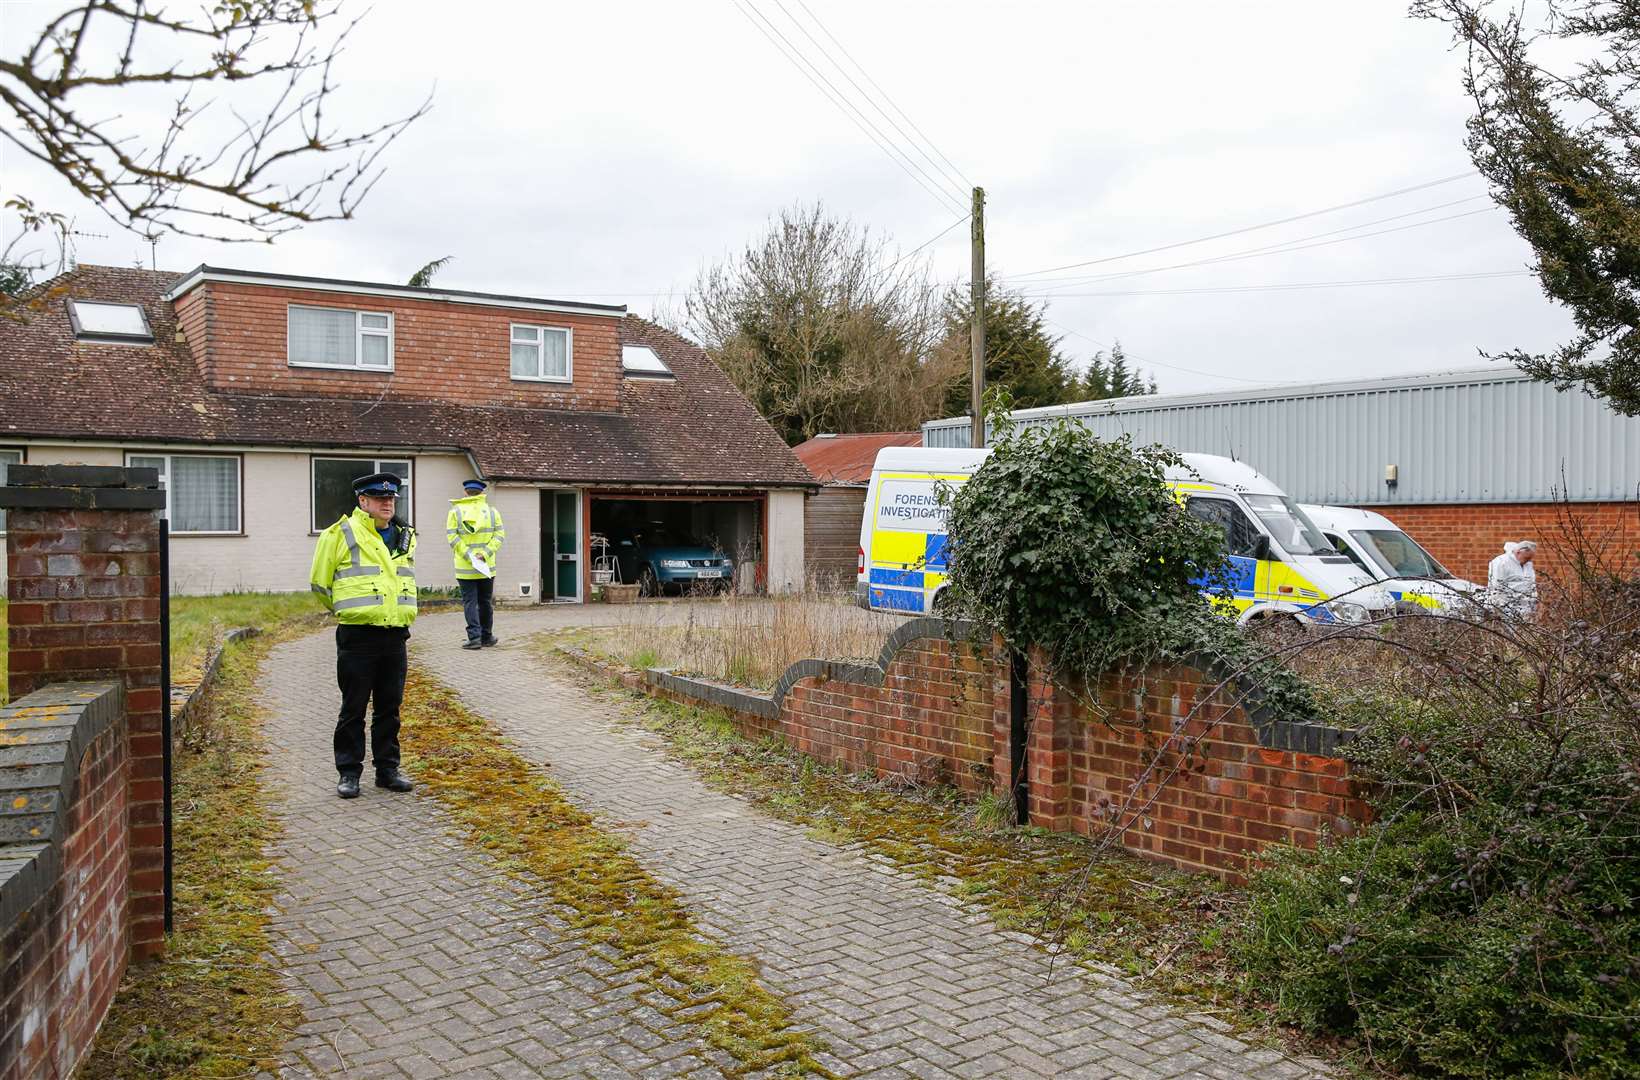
(212, 1006)
(1159, 927)
(523, 820)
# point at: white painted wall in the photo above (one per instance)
(785, 541)
(521, 553)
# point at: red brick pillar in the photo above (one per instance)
(1047, 751)
(82, 559)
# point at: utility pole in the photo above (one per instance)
(976, 333)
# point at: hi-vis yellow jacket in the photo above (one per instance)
(359, 579)
(474, 526)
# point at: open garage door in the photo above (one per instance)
(678, 543)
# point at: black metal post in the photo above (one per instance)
(1019, 682)
(165, 703)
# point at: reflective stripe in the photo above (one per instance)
(360, 601)
(358, 571)
(407, 601)
(352, 543)
(321, 590)
(405, 571)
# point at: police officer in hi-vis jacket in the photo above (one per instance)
(476, 533)
(364, 570)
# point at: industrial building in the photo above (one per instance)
(1462, 460)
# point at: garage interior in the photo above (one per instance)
(730, 524)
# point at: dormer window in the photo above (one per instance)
(119, 323)
(644, 362)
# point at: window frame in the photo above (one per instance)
(644, 373)
(22, 459)
(315, 528)
(165, 512)
(1240, 515)
(360, 332)
(102, 337)
(540, 352)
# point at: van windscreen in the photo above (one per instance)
(1398, 553)
(1294, 531)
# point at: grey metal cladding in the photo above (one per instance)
(1490, 435)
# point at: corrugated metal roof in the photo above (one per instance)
(847, 459)
(1479, 435)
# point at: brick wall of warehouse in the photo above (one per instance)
(1465, 537)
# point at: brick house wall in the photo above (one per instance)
(938, 708)
(450, 353)
(1465, 537)
(63, 907)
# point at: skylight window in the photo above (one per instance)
(109, 322)
(642, 360)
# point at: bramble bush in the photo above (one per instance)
(1487, 923)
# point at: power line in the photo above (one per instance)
(1254, 228)
(1295, 244)
(925, 243)
(891, 103)
(836, 97)
(1143, 360)
(1294, 285)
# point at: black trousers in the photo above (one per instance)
(371, 662)
(478, 604)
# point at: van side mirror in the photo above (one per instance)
(1261, 548)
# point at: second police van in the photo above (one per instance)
(1279, 562)
(1411, 575)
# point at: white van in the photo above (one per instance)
(1279, 562)
(1411, 575)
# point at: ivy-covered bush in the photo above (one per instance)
(1077, 545)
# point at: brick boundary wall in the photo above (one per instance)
(1465, 537)
(935, 708)
(82, 556)
(64, 873)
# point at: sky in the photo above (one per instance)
(609, 152)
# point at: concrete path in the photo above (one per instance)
(898, 979)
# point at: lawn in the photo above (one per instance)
(197, 622)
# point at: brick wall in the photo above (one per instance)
(1465, 537)
(457, 353)
(936, 709)
(82, 555)
(64, 874)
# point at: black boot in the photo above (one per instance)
(393, 780)
(348, 786)
(472, 644)
(490, 640)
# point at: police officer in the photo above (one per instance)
(364, 569)
(475, 532)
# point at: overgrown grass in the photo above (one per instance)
(746, 640)
(524, 821)
(1162, 928)
(212, 1006)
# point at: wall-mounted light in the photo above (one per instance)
(1391, 476)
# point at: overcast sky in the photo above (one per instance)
(607, 152)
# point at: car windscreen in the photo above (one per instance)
(1398, 553)
(1293, 531)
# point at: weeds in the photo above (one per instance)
(525, 822)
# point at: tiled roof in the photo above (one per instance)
(694, 429)
(847, 459)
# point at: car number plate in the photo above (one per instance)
(708, 573)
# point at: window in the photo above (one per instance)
(1291, 527)
(333, 478)
(201, 493)
(1399, 554)
(110, 322)
(7, 457)
(642, 360)
(338, 338)
(1240, 534)
(541, 353)
(1338, 544)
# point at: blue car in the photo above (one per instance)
(660, 562)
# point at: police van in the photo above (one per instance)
(1279, 563)
(1412, 576)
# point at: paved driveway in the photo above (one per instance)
(413, 958)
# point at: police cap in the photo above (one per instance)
(475, 484)
(377, 484)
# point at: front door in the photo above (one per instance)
(562, 534)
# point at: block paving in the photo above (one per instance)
(413, 957)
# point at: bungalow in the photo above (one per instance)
(259, 397)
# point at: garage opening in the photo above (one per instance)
(681, 544)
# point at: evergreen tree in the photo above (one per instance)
(1020, 355)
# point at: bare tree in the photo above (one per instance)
(274, 161)
(823, 327)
